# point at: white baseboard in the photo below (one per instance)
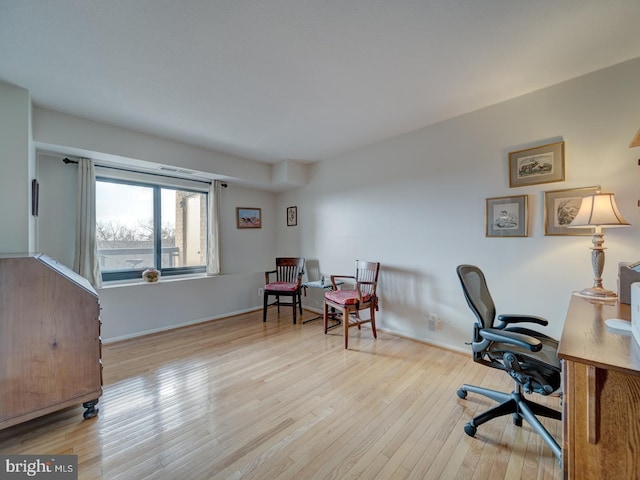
(252, 309)
(177, 325)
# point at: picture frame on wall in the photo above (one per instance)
(35, 197)
(292, 216)
(561, 207)
(507, 216)
(247, 217)
(533, 166)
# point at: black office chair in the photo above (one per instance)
(529, 357)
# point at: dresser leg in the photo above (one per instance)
(91, 409)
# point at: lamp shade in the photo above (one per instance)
(636, 140)
(598, 210)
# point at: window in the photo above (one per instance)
(141, 225)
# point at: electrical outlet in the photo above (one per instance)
(432, 321)
(260, 292)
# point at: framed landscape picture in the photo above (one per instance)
(561, 207)
(532, 166)
(507, 216)
(248, 217)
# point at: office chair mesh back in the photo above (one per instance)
(528, 356)
(477, 295)
(539, 371)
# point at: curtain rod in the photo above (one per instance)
(68, 160)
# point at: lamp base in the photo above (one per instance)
(598, 292)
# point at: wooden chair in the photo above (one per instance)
(287, 283)
(351, 302)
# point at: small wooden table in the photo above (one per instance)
(601, 402)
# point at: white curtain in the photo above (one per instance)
(213, 254)
(86, 261)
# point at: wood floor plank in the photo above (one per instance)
(241, 399)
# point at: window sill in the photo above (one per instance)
(169, 279)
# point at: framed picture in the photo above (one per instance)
(507, 217)
(561, 207)
(35, 197)
(292, 216)
(532, 166)
(248, 217)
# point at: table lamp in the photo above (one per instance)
(598, 211)
(636, 141)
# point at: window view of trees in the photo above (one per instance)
(128, 247)
(112, 233)
(127, 229)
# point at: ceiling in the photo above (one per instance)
(303, 80)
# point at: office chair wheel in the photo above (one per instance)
(470, 429)
(462, 393)
(517, 420)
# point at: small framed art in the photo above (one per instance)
(292, 216)
(561, 207)
(507, 216)
(35, 197)
(532, 166)
(248, 217)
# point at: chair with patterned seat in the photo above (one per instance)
(287, 283)
(349, 303)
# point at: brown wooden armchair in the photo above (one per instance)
(287, 283)
(351, 302)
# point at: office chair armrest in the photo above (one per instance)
(508, 318)
(513, 338)
(532, 333)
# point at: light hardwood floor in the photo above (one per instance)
(242, 399)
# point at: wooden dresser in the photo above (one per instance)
(601, 403)
(49, 339)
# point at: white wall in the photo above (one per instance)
(17, 166)
(56, 221)
(246, 254)
(93, 139)
(416, 203)
(134, 309)
(130, 310)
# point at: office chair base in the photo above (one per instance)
(519, 407)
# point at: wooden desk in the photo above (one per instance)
(49, 339)
(601, 402)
